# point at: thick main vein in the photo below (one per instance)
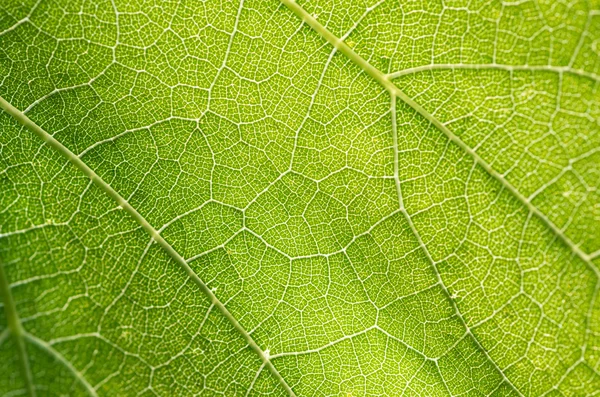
(113, 194)
(385, 81)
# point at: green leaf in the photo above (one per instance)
(267, 197)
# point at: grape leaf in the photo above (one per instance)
(266, 197)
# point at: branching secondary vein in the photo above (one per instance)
(50, 350)
(385, 81)
(495, 66)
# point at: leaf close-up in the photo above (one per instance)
(311, 198)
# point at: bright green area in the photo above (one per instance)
(346, 240)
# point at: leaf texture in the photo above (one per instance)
(269, 197)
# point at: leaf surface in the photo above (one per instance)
(314, 198)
